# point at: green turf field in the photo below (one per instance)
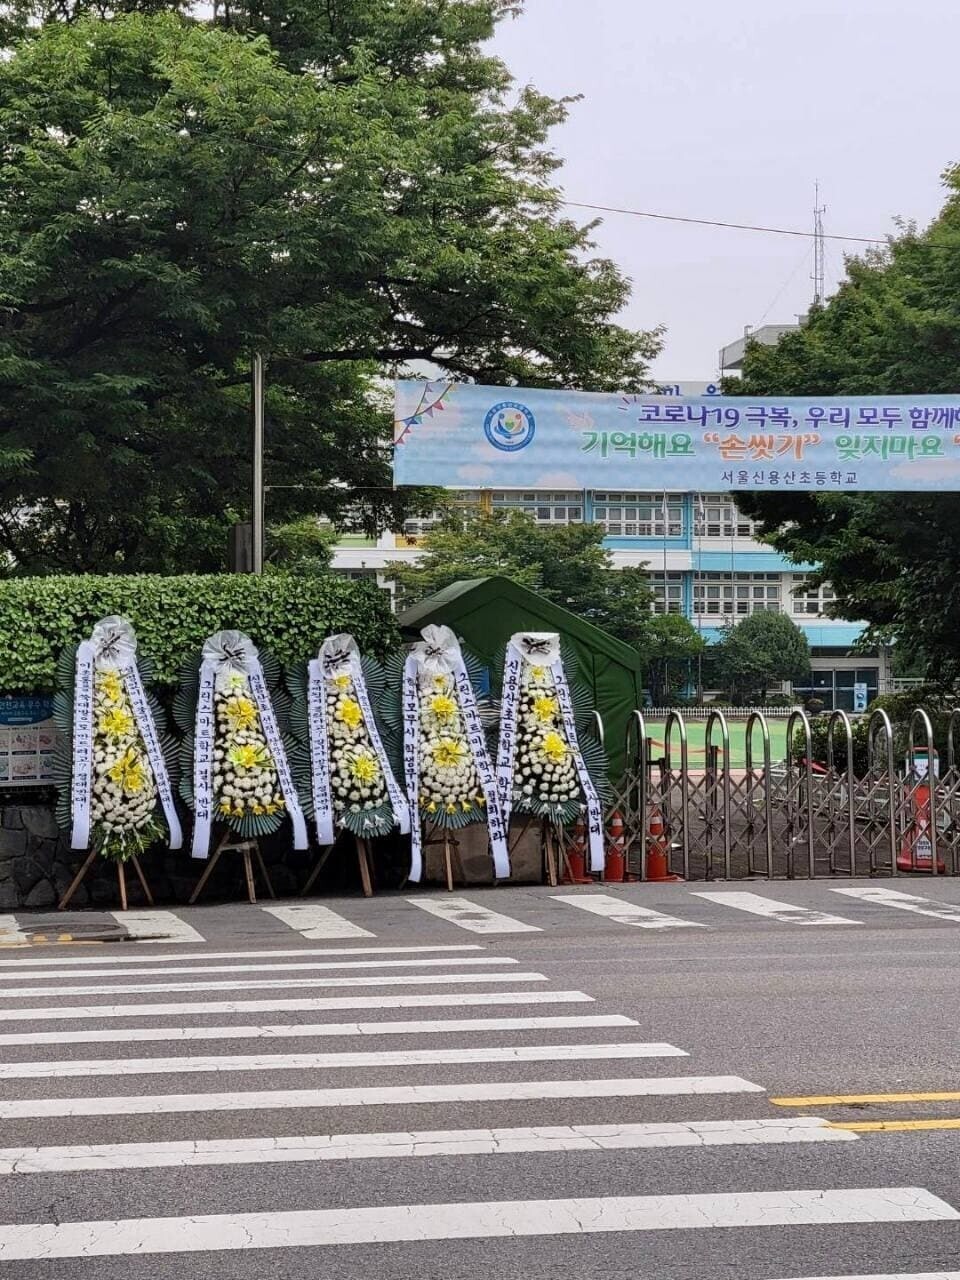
(696, 738)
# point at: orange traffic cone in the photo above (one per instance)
(916, 848)
(575, 860)
(658, 851)
(615, 864)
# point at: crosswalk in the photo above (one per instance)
(440, 917)
(138, 1128)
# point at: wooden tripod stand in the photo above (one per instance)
(248, 849)
(364, 859)
(88, 862)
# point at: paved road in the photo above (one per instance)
(615, 1081)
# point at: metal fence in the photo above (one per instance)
(792, 818)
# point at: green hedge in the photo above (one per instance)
(289, 615)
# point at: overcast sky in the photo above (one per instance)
(732, 111)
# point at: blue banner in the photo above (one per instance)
(460, 436)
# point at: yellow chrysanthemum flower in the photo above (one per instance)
(350, 713)
(538, 672)
(544, 707)
(128, 773)
(448, 753)
(443, 706)
(246, 757)
(116, 722)
(110, 686)
(342, 682)
(225, 807)
(432, 807)
(363, 768)
(241, 714)
(554, 748)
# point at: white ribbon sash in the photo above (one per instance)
(320, 747)
(319, 753)
(261, 694)
(507, 748)
(148, 732)
(203, 761)
(481, 759)
(81, 780)
(594, 812)
(411, 762)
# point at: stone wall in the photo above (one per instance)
(37, 865)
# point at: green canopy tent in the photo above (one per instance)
(485, 612)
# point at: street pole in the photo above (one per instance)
(257, 388)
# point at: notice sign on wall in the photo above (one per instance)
(28, 738)
(462, 436)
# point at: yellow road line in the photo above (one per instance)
(850, 1099)
(43, 940)
(894, 1126)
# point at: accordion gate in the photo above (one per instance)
(792, 819)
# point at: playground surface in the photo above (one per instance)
(696, 742)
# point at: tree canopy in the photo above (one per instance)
(567, 564)
(345, 187)
(761, 649)
(892, 328)
(670, 643)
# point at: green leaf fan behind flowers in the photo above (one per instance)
(125, 811)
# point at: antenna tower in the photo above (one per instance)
(819, 249)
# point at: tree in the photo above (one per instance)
(670, 643)
(567, 564)
(892, 328)
(303, 547)
(178, 193)
(762, 648)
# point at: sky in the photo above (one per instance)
(733, 112)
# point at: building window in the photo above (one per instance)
(667, 592)
(715, 515)
(545, 507)
(639, 515)
(809, 599)
(735, 595)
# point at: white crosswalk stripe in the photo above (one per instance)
(317, 922)
(481, 1220)
(620, 912)
(327, 1004)
(388, 1095)
(266, 984)
(469, 915)
(418, 1145)
(310, 1030)
(903, 902)
(301, 953)
(286, 967)
(156, 926)
(268, 1062)
(10, 933)
(770, 908)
